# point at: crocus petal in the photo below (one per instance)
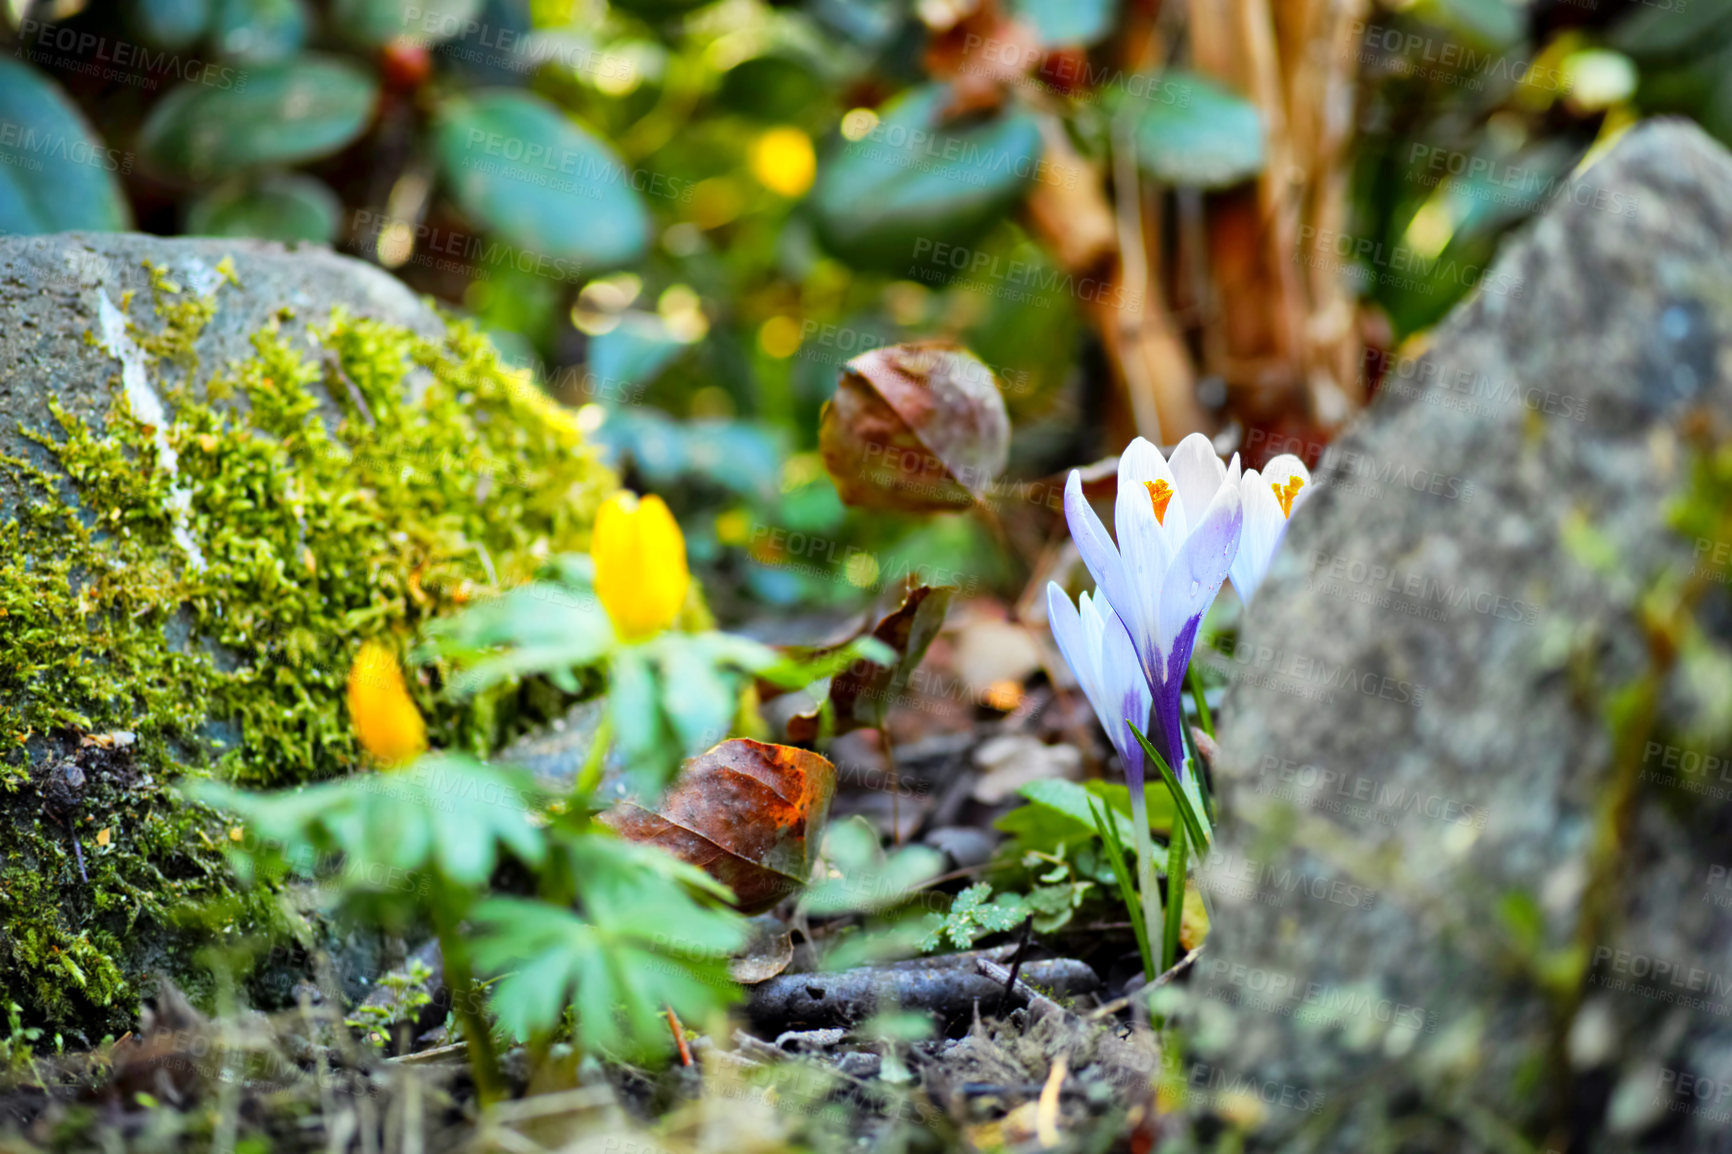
(1197, 475)
(1067, 630)
(1264, 522)
(1193, 581)
(1147, 556)
(1093, 542)
(1280, 471)
(1133, 700)
(1098, 650)
(1141, 465)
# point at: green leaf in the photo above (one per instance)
(1082, 22)
(634, 709)
(698, 695)
(1652, 33)
(1188, 811)
(626, 360)
(376, 22)
(1127, 886)
(1075, 803)
(1053, 906)
(870, 879)
(619, 969)
(286, 113)
(542, 627)
(171, 24)
(286, 207)
(446, 811)
(1189, 130)
(1495, 24)
(259, 31)
(518, 166)
(773, 87)
(1199, 699)
(916, 180)
(972, 917)
(55, 173)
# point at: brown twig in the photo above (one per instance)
(679, 1037)
(1016, 960)
(360, 401)
(1036, 1000)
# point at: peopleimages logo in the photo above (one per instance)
(589, 169)
(27, 145)
(1325, 248)
(934, 257)
(90, 54)
(471, 252)
(1436, 52)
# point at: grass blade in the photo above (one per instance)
(1109, 832)
(1181, 797)
(1195, 680)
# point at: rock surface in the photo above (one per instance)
(1469, 895)
(203, 512)
(52, 289)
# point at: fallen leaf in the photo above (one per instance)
(918, 427)
(862, 694)
(766, 954)
(746, 812)
(1194, 921)
(1012, 760)
(102, 836)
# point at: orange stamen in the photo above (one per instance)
(1160, 493)
(1285, 494)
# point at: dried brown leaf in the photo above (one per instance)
(748, 813)
(918, 427)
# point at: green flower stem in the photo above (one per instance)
(1176, 869)
(593, 762)
(466, 1001)
(1151, 896)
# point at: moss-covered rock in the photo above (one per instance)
(222, 466)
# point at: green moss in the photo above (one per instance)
(352, 493)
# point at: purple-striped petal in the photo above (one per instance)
(1192, 582)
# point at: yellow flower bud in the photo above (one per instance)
(385, 718)
(640, 564)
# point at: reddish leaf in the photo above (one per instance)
(748, 813)
(916, 427)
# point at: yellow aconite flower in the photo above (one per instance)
(640, 564)
(385, 717)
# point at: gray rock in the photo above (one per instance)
(1451, 911)
(52, 290)
(103, 904)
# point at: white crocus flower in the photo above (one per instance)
(1098, 650)
(1178, 525)
(1269, 499)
